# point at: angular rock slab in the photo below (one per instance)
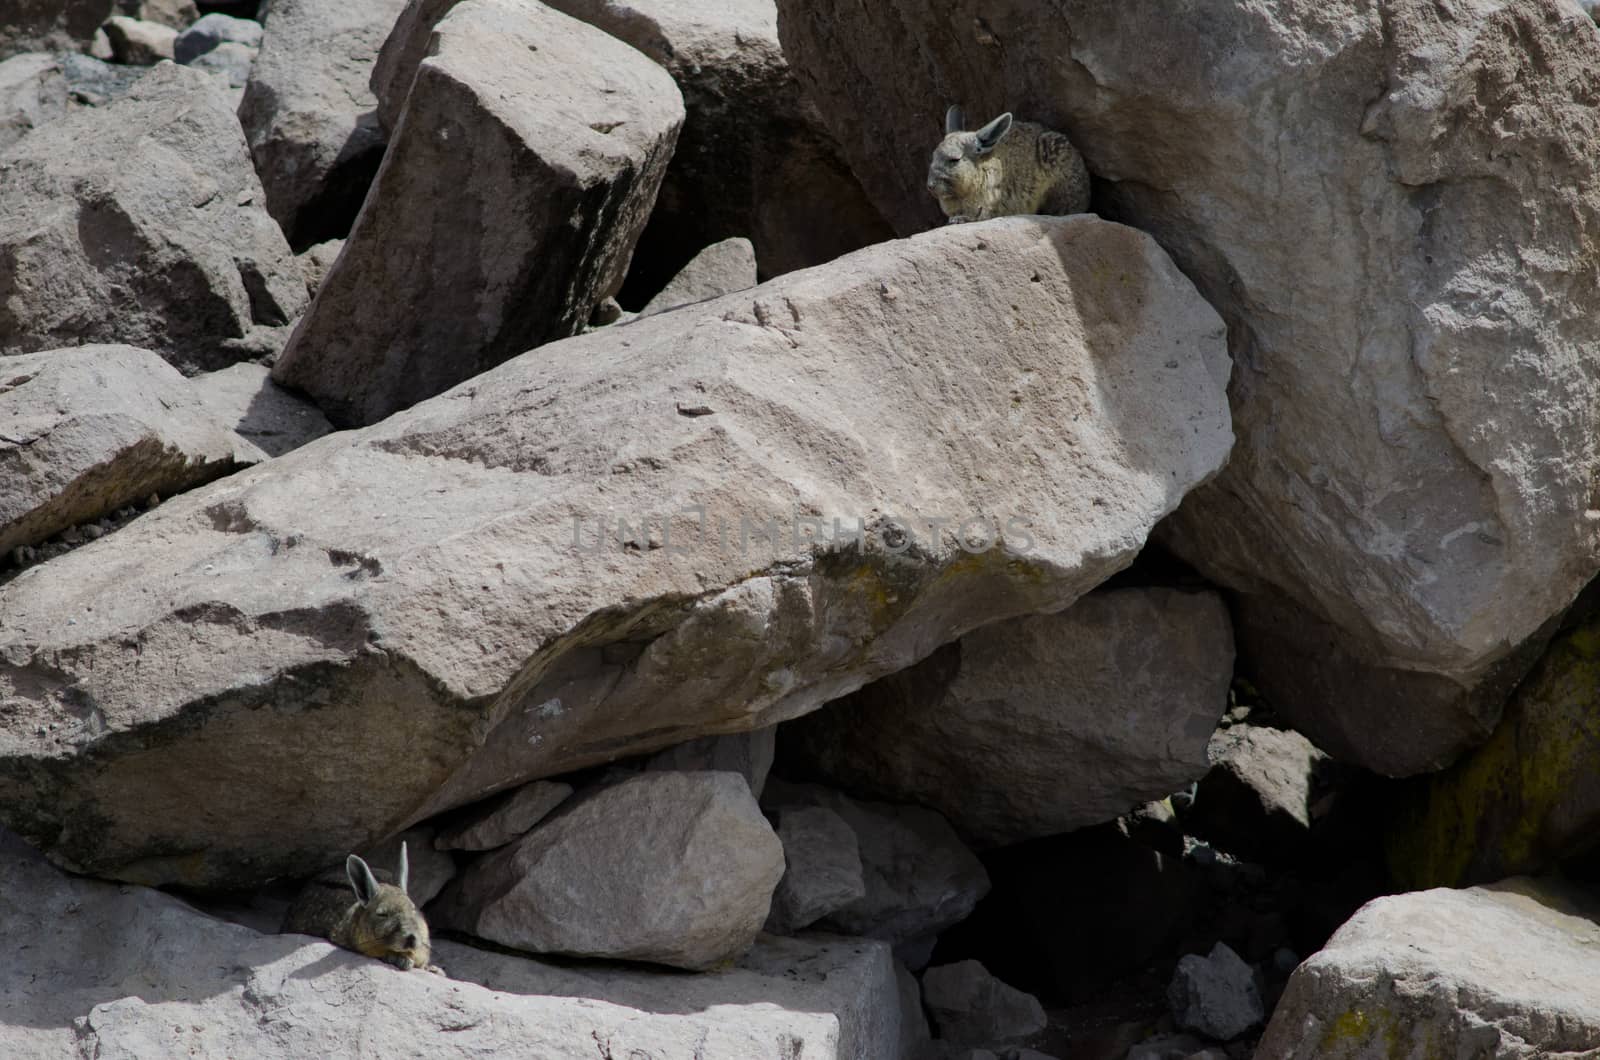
(309, 115)
(748, 754)
(969, 1006)
(537, 143)
(245, 397)
(721, 268)
(50, 25)
(508, 817)
(1255, 800)
(88, 430)
(1506, 971)
(1418, 409)
(670, 868)
(449, 589)
(102, 970)
(821, 868)
(1038, 725)
(140, 222)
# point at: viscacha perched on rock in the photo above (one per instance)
(380, 922)
(1007, 167)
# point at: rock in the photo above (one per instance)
(1390, 555)
(1167, 1047)
(915, 1035)
(338, 576)
(86, 431)
(1039, 725)
(136, 973)
(748, 754)
(431, 867)
(50, 25)
(722, 268)
(92, 82)
(671, 868)
(510, 817)
(919, 878)
(32, 91)
(177, 14)
(822, 868)
(215, 30)
(307, 113)
(230, 64)
(1215, 995)
(1505, 970)
(403, 50)
(969, 1006)
(571, 131)
(139, 43)
(1255, 801)
(317, 260)
(140, 222)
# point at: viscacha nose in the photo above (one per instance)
(411, 942)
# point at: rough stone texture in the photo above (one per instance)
(748, 754)
(33, 90)
(86, 431)
(570, 131)
(92, 82)
(94, 969)
(1215, 995)
(431, 867)
(971, 1007)
(1412, 496)
(230, 64)
(50, 25)
(178, 14)
(509, 817)
(672, 868)
(915, 1034)
(217, 29)
(1039, 725)
(1505, 971)
(141, 222)
(139, 43)
(450, 593)
(403, 50)
(822, 868)
(722, 268)
(1255, 800)
(919, 878)
(308, 113)
(315, 262)
(245, 398)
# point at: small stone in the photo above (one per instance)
(970, 1006)
(1215, 995)
(212, 31)
(822, 868)
(139, 43)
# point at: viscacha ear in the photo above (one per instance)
(362, 880)
(990, 135)
(954, 120)
(403, 873)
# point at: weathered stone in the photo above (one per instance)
(748, 754)
(308, 113)
(915, 1034)
(315, 262)
(971, 1007)
(672, 868)
(1039, 725)
(50, 25)
(431, 867)
(178, 14)
(139, 43)
(570, 131)
(86, 431)
(92, 82)
(1215, 995)
(215, 30)
(1506, 971)
(1255, 800)
(230, 64)
(822, 868)
(33, 90)
(416, 592)
(1412, 501)
(509, 817)
(105, 970)
(140, 222)
(722, 268)
(403, 50)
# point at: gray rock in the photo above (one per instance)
(1038, 725)
(1215, 995)
(1167, 1047)
(822, 868)
(92, 82)
(33, 90)
(443, 613)
(141, 222)
(139, 43)
(431, 867)
(671, 868)
(971, 1007)
(1506, 971)
(1255, 800)
(722, 268)
(307, 113)
(508, 818)
(748, 754)
(230, 64)
(570, 133)
(86, 431)
(50, 25)
(403, 50)
(915, 1036)
(178, 14)
(214, 30)
(315, 262)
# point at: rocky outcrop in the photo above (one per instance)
(1038, 725)
(538, 143)
(1504, 971)
(140, 222)
(670, 868)
(1408, 504)
(308, 113)
(50, 25)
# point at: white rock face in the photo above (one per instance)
(1039, 725)
(1506, 971)
(672, 868)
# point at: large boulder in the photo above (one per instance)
(537, 143)
(1038, 725)
(309, 115)
(50, 25)
(101, 970)
(1412, 497)
(140, 222)
(466, 596)
(1506, 971)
